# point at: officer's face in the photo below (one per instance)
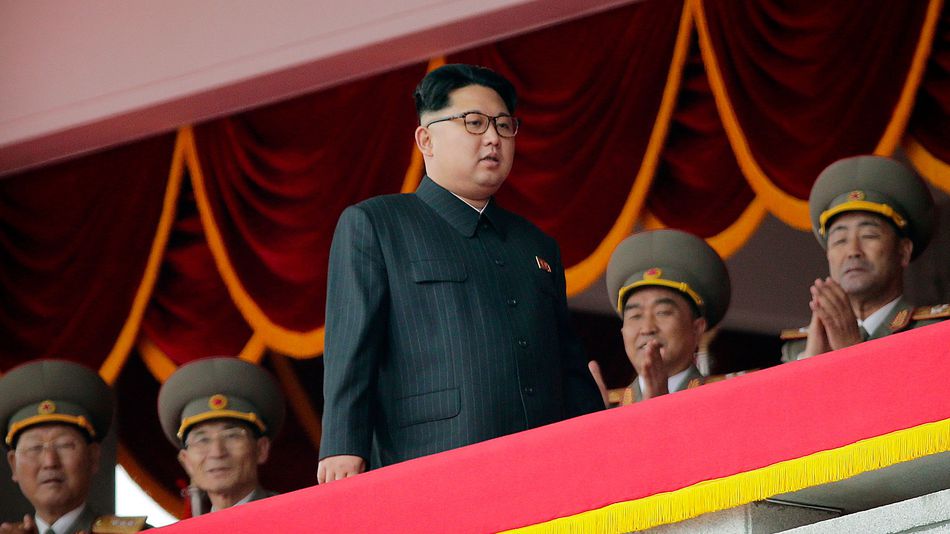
(54, 465)
(865, 254)
(664, 315)
(472, 166)
(221, 457)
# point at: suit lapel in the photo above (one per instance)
(84, 521)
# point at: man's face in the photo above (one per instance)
(865, 254)
(664, 315)
(222, 457)
(54, 466)
(472, 166)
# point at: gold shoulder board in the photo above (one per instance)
(931, 312)
(113, 524)
(794, 333)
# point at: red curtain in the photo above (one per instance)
(277, 179)
(244, 269)
(698, 187)
(74, 242)
(586, 122)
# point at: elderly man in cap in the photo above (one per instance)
(54, 414)
(222, 413)
(873, 215)
(669, 287)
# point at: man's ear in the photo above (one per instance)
(183, 460)
(424, 141)
(11, 459)
(699, 327)
(906, 250)
(263, 449)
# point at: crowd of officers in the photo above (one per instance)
(871, 214)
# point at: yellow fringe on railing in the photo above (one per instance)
(293, 343)
(742, 488)
(112, 366)
(581, 275)
(299, 400)
(172, 503)
(416, 164)
(793, 211)
(929, 166)
(905, 104)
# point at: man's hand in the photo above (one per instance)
(652, 369)
(817, 342)
(831, 305)
(599, 379)
(339, 467)
(28, 526)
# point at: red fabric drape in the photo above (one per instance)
(74, 242)
(812, 81)
(698, 186)
(930, 124)
(190, 314)
(586, 122)
(278, 178)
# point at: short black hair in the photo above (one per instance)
(432, 93)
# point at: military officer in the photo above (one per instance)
(873, 216)
(223, 414)
(669, 287)
(54, 414)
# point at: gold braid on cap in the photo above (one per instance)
(77, 420)
(682, 287)
(250, 417)
(860, 205)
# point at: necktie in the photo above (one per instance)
(864, 333)
(49, 531)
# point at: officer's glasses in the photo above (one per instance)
(61, 447)
(231, 439)
(477, 123)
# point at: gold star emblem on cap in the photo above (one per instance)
(856, 195)
(218, 402)
(652, 273)
(46, 407)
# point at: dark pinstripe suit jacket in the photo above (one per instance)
(443, 329)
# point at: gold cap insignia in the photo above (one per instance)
(856, 195)
(653, 272)
(46, 407)
(218, 402)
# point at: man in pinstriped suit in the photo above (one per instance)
(447, 321)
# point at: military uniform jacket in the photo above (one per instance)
(92, 522)
(904, 316)
(633, 394)
(444, 328)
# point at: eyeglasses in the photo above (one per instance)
(477, 123)
(231, 439)
(62, 448)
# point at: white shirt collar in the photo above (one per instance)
(61, 524)
(479, 210)
(873, 321)
(673, 383)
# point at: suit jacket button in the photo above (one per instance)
(522, 343)
(529, 390)
(512, 302)
(500, 263)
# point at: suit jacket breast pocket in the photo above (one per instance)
(428, 271)
(427, 407)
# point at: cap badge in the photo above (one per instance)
(652, 273)
(46, 407)
(856, 195)
(218, 402)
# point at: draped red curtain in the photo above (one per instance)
(586, 122)
(620, 109)
(74, 242)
